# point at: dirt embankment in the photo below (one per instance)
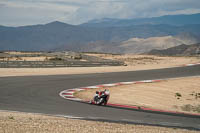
(181, 95)
(11, 122)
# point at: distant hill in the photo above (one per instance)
(48, 37)
(178, 50)
(56, 36)
(177, 20)
(141, 45)
(61, 36)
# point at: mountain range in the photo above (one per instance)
(186, 50)
(97, 36)
(177, 20)
(141, 45)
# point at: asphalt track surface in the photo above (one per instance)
(40, 94)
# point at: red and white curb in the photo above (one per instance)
(191, 64)
(69, 95)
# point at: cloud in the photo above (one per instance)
(39, 5)
(23, 12)
(136, 8)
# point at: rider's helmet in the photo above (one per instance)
(97, 92)
(107, 92)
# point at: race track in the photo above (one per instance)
(40, 94)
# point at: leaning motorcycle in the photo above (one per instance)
(102, 99)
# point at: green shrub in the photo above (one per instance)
(11, 117)
(178, 95)
(56, 59)
(187, 107)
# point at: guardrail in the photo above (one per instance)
(46, 64)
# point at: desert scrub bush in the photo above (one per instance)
(195, 94)
(187, 107)
(178, 95)
(197, 109)
(55, 59)
(11, 117)
(18, 58)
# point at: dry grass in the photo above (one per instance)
(135, 62)
(177, 95)
(11, 122)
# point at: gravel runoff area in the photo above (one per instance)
(134, 63)
(15, 122)
(180, 94)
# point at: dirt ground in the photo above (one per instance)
(41, 58)
(134, 62)
(149, 61)
(181, 94)
(20, 53)
(13, 122)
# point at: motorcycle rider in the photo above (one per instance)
(106, 92)
(99, 94)
(107, 95)
(96, 96)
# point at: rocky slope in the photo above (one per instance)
(183, 50)
(142, 45)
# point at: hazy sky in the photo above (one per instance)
(27, 12)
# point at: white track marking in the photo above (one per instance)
(72, 117)
(92, 87)
(109, 85)
(126, 83)
(190, 64)
(147, 81)
(70, 92)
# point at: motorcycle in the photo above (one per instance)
(101, 98)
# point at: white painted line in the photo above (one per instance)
(74, 90)
(65, 116)
(92, 87)
(190, 64)
(147, 81)
(72, 117)
(126, 83)
(70, 92)
(65, 91)
(78, 89)
(109, 85)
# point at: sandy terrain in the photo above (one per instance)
(12, 122)
(181, 94)
(143, 45)
(41, 58)
(134, 62)
(20, 53)
(150, 61)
